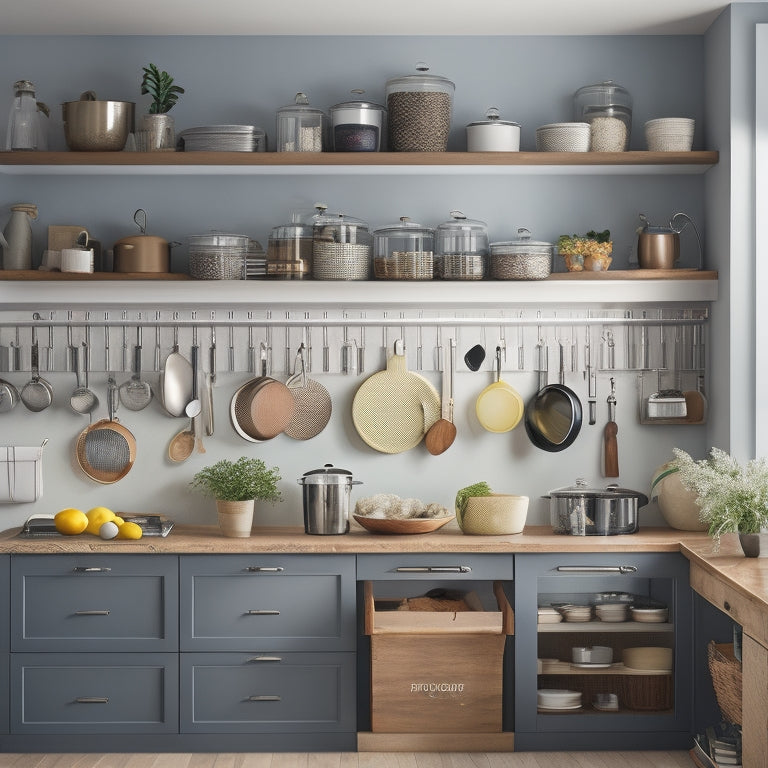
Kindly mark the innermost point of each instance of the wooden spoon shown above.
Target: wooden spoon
(182, 444)
(442, 433)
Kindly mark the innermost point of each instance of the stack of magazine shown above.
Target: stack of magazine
(718, 747)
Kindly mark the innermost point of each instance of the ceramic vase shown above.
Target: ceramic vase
(750, 543)
(159, 133)
(235, 517)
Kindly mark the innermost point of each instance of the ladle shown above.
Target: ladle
(442, 433)
(183, 443)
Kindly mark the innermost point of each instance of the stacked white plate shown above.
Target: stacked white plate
(670, 134)
(553, 698)
(549, 616)
(612, 611)
(563, 137)
(650, 615)
(576, 612)
(255, 261)
(224, 138)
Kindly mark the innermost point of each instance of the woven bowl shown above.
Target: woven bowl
(494, 515)
(563, 137)
(670, 134)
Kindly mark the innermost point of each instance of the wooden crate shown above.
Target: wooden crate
(436, 672)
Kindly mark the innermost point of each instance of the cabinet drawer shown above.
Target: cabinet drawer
(93, 603)
(435, 567)
(244, 603)
(94, 693)
(267, 692)
(5, 608)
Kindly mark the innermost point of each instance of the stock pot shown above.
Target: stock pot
(326, 494)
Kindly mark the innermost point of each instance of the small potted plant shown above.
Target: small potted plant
(590, 252)
(158, 123)
(733, 498)
(235, 485)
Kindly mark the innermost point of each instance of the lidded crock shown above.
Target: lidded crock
(403, 251)
(358, 125)
(289, 250)
(341, 246)
(493, 134)
(300, 127)
(461, 247)
(607, 107)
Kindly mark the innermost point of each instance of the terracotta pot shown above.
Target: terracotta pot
(235, 517)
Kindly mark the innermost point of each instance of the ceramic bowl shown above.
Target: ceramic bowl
(650, 658)
(494, 515)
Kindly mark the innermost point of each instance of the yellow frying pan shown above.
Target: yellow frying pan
(499, 407)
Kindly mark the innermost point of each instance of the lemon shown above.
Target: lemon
(108, 530)
(70, 521)
(97, 517)
(129, 531)
(118, 521)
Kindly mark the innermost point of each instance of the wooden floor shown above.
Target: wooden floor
(355, 760)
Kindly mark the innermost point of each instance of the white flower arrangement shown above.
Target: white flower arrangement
(733, 498)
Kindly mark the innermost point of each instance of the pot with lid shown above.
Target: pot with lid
(326, 494)
(358, 125)
(142, 253)
(493, 134)
(583, 511)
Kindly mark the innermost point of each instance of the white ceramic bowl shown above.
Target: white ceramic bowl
(670, 134)
(650, 615)
(597, 654)
(563, 137)
(558, 699)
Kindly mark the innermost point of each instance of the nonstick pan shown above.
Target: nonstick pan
(553, 415)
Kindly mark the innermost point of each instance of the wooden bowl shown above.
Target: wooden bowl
(411, 525)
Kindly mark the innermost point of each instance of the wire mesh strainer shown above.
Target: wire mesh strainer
(311, 403)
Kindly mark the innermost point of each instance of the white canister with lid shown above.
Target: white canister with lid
(493, 134)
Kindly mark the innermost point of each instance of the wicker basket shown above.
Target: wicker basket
(649, 693)
(725, 670)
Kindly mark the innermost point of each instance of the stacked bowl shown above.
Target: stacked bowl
(563, 137)
(670, 134)
(612, 611)
(551, 698)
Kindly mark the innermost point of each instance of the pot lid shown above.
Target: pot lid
(358, 103)
(459, 222)
(524, 239)
(492, 118)
(581, 489)
(300, 104)
(421, 81)
(326, 475)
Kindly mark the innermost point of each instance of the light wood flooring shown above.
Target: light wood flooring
(355, 760)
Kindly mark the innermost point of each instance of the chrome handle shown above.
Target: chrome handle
(92, 613)
(433, 569)
(256, 612)
(92, 700)
(258, 659)
(264, 569)
(597, 568)
(264, 698)
(90, 569)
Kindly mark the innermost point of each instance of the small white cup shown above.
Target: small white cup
(76, 260)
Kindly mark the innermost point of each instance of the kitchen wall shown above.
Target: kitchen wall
(244, 80)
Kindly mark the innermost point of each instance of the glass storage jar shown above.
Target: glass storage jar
(218, 256)
(341, 247)
(461, 247)
(358, 125)
(419, 112)
(300, 127)
(607, 107)
(289, 251)
(403, 251)
(521, 259)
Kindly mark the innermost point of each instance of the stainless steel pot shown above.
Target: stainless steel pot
(97, 126)
(326, 494)
(582, 511)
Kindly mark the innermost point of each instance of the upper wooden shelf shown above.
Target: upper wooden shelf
(306, 163)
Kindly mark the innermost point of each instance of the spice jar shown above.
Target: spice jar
(521, 259)
(419, 111)
(607, 107)
(357, 126)
(403, 251)
(461, 246)
(289, 251)
(300, 127)
(341, 247)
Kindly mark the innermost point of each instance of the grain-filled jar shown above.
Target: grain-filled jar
(341, 247)
(289, 251)
(461, 247)
(419, 111)
(218, 256)
(607, 107)
(300, 127)
(403, 251)
(521, 259)
(358, 125)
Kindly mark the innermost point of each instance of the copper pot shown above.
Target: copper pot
(142, 253)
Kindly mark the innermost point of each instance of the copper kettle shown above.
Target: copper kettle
(142, 253)
(659, 247)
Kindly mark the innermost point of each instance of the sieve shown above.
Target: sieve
(106, 450)
(136, 394)
(9, 396)
(311, 402)
(82, 400)
(36, 394)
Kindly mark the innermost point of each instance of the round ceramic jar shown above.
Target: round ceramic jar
(357, 126)
(403, 251)
(300, 127)
(493, 134)
(461, 245)
(607, 107)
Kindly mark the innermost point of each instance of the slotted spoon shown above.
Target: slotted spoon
(136, 394)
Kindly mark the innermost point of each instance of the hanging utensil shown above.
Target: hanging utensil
(591, 375)
(499, 407)
(82, 400)
(136, 394)
(211, 381)
(610, 443)
(176, 380)
(312, 402)
(194, 406)
(36, 394)
(9, 396)
(474, 357)
(442, 433)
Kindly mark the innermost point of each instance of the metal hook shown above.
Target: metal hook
(141, 220)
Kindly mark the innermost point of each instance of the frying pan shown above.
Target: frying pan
(261, 409)
(499, 407)
(553, 415)
(393, 409)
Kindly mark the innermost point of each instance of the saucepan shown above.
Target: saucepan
(499, 407)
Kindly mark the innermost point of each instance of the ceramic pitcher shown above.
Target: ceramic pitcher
(17, 237)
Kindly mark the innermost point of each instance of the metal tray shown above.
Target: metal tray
(41, 526)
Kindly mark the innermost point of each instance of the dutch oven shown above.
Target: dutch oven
(143, 252)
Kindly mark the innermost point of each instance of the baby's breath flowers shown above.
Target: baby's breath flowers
(590, 252)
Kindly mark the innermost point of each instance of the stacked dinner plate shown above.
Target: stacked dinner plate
(224, 138)
(650, 615)
(612, 611)
(549, 615)
(576, 612)
(552, 698)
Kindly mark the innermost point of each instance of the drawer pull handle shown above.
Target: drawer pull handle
(264, 698)
(90, 569)
(433, 569)
(264, 569)
(263, 612)
(258, 659)
(597, 568)
(727, 605)
(92, 700)
(92, 613)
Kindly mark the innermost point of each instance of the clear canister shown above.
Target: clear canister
(419, 111)
(341, 247)
(358, 126)
(521, 259)
(461, 247)
(289, 251)
(403, 251)
(607, 107)
(300, 127)
(218, 256)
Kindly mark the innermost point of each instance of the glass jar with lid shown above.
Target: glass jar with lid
(403, 251)
(521, 259)
(341, 246)
(289, 250)
(300, 127)
(419, 111)
(218, 256)
(461, 247)
(357, 125)
(607, 107)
